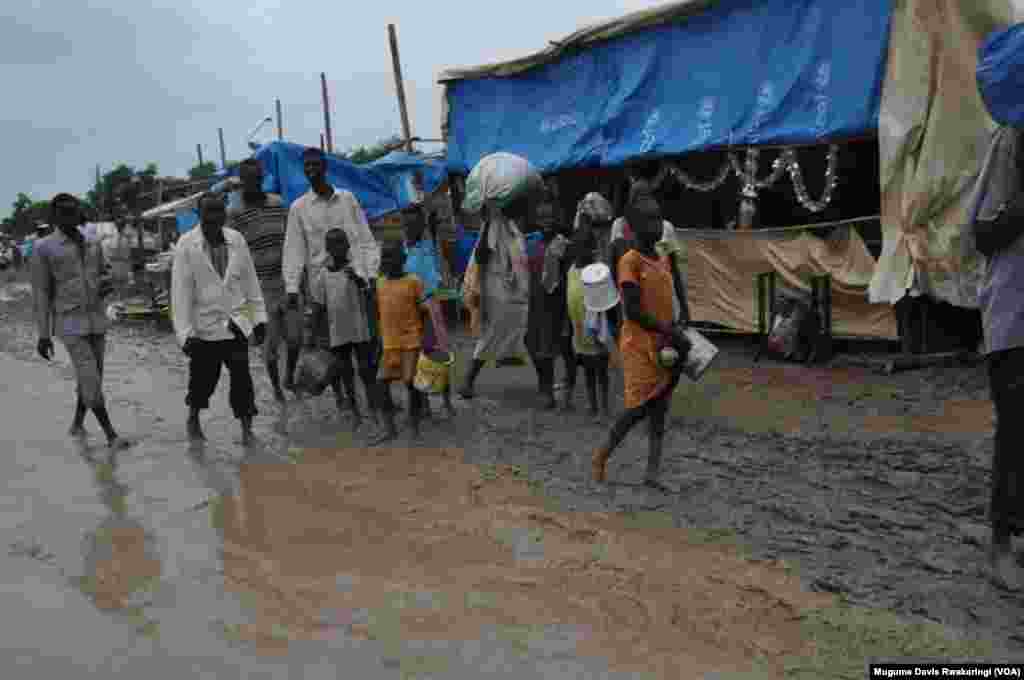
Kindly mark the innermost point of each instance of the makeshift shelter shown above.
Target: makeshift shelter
(695, 78)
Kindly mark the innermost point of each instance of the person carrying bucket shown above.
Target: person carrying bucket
(339, 301)
(655, 316)
(421, 260)
(590, 299)
(402, 312)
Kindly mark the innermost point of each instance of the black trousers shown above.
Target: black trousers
(365, 356)
(1006, 379)
(204, 374)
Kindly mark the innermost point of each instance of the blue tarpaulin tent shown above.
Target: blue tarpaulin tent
(382, 187)
(687, 77)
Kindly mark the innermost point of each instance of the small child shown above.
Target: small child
(421, 260)
(339, 301)
(402, 313)
(592, 352)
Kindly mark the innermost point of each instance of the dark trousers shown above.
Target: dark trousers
(204, 374)
(365, 356)
(1006, 378)
(595, 366)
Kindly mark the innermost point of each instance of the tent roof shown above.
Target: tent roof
(598, 32)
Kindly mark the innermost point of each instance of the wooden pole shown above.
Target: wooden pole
(327, 113)
(399, 87)
(199, 152)
(280, 128)
(223, 155)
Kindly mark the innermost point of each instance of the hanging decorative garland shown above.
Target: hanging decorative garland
(694, 185)
(831, 181)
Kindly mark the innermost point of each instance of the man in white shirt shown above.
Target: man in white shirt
(311, 215)
(217, 305)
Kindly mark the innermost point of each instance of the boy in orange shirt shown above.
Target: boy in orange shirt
(402, 312)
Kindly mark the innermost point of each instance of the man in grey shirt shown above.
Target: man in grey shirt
(70, 280)
(999, 236)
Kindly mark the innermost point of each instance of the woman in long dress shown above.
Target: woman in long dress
(503, 280)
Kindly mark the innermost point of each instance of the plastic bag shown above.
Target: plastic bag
(313, 370)
(499, 179)
(1000, 75)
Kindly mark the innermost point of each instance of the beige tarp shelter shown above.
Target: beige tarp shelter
(933, 132)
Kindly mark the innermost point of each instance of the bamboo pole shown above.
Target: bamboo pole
(199, 152)
(399, 87)
(327, 113)
(321, 141)
(280, 127)
(223, 155)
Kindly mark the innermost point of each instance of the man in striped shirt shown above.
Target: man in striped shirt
(261, 218)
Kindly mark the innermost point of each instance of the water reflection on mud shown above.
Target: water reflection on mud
(121, 561)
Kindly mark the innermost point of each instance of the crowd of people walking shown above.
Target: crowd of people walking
(537, 290)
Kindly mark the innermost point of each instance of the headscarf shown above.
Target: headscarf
(596, 207)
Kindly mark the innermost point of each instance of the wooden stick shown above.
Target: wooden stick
(223, 155)
(327, 113)
(280, 128)
(199, 152)
(399, 87)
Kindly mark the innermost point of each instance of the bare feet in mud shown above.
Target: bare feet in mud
(120, 444)
(195, 432)
(1006, 572)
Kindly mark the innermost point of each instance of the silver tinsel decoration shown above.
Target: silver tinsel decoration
(694, 185)
(831, 181)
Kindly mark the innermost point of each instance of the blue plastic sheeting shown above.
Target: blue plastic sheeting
(399, 167)
(381, 187)
(1001, 75)
(744, 72)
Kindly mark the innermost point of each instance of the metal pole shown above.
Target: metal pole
(199, 152)
(327, 113)
(280, 128)
(223, 155)
(397, 66)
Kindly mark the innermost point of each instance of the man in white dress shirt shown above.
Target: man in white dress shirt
(217, 305)
(310, 216)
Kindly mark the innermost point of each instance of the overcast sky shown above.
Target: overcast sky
(89, 82)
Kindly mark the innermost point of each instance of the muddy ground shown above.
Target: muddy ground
(803, 486)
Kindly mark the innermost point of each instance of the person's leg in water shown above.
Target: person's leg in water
(77, 428)
(242, 393)
(343, 364)
(626, 422)
(590, 375)
(604, 381)
(204, 369)
(415, 410)
(656, 442)
(363, 352)
(1006, 377)
(545, 369)
(572, 365)
(272, 350)
(87, 357)
(467, 391)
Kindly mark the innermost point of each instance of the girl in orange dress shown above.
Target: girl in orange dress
(650, 287)
(402, 313)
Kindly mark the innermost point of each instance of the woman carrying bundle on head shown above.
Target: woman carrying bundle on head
(655, 316)
(497, 283)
